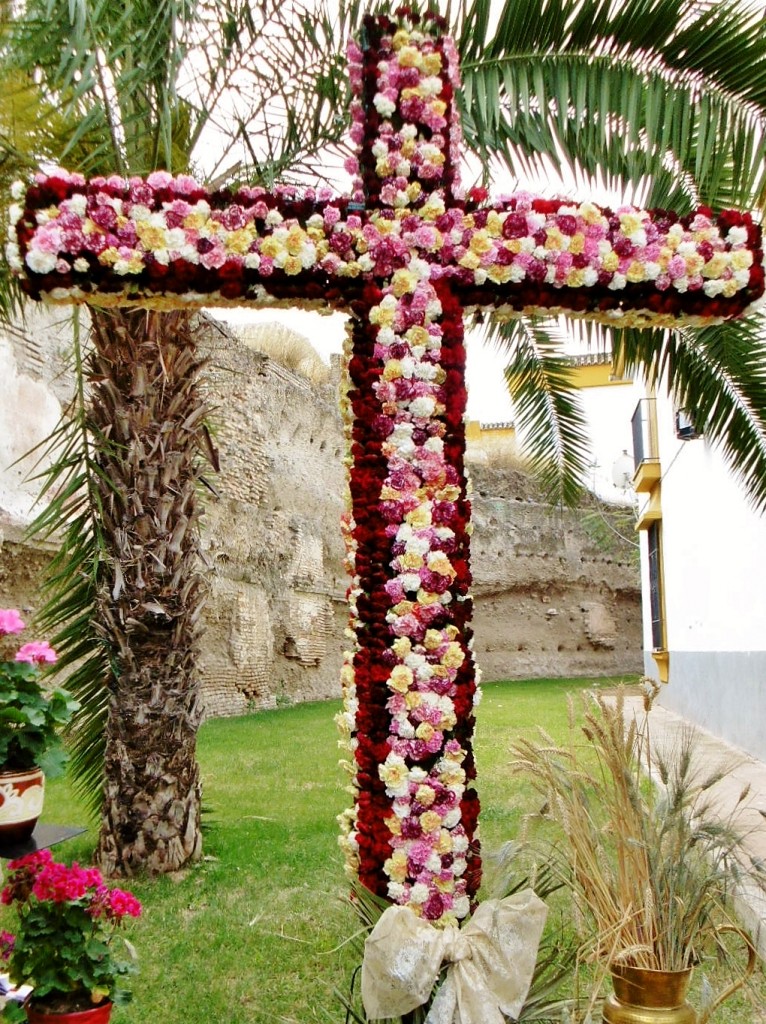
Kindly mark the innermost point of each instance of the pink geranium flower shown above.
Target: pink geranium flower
(37, 653)
(10, 621)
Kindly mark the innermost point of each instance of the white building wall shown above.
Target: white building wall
(714, 558)
(29, 412)
(608, 411)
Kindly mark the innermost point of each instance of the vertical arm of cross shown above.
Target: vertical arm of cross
(410, 680)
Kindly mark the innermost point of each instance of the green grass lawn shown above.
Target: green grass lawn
(256, 933)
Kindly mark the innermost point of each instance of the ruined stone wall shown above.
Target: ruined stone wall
(551, 596)
(556, 591)
(277, 609)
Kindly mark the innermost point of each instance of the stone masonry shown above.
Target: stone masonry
(553, 598)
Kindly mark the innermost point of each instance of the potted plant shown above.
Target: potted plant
(31, 718)
(653, 866)
(67, 945)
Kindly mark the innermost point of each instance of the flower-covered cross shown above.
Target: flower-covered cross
(407, 254)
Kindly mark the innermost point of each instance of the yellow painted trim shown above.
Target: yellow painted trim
(596, 375)
(662, 661)
(647, 476)
(651, 512)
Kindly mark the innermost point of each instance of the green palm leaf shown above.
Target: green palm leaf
(585, 83)
(540, 381)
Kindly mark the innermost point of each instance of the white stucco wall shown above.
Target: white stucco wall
(608, 411)
(714, 556)
(28, 413)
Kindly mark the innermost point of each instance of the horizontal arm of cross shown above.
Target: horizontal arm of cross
(168, 242)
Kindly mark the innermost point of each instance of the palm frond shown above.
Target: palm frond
(588, 83)
(553, 425)
(71, 519)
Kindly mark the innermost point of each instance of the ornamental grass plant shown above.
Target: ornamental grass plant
(650, 858)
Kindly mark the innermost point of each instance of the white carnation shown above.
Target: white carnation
(434, 863)
(461, 907)
(410, 581)
(13, 256)
(736, 236)
(41, 262)
(140, 213)
(423, 406)
(419, 892)
(712, 288)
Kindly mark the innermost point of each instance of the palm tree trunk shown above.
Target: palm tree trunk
(148, 425)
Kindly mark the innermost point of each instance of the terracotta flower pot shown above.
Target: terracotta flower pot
(93, 1015)
(21, 804)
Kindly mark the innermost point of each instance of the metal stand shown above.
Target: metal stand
(42, 837)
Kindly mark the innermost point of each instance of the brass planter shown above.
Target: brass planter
(643, 996)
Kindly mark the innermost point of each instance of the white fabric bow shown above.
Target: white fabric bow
(491, 962)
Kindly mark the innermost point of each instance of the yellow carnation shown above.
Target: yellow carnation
(432, 639)
(392, 370)
(741, 259)
(195, 221)
(296, 238)
(498, 274)
(239, 241)
(471, 261)
(271, 247)
(454, 656)
(394, 825)
(396, 866)
(151, 236)
(425, 795)
(494, 224)
(430, 821)
(410, 57)
(402, 646)
(419, 517)
(481, 242)
(401, 678)
(716, 265)
(403, 282)
(432, 63)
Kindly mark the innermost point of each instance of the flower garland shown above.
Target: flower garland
(408, 254)
(410, 682)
